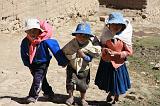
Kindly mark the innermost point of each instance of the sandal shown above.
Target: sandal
(109, 98)
(114, 103)
(84, 103)
(70, 101)
(32, 100)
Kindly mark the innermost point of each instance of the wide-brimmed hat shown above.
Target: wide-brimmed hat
(83, 28)
(115, 18)
(32, 23)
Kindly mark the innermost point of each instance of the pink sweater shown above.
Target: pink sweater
(120, 51)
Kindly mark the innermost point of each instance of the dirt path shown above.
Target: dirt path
(15, 79)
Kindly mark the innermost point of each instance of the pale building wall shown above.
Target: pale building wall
(14, 12)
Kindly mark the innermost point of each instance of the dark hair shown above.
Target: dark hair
(123, 27)
(87, 35)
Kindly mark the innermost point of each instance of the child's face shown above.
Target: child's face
(115, 28)
(81, 38)
(34, 32)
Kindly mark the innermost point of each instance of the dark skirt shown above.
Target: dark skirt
(115, 81)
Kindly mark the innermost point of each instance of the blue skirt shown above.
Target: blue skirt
(115, 81)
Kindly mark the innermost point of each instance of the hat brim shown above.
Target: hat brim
(116, 22)
(26, 29)
(79, 32)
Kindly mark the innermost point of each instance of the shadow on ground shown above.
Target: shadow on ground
(58, 99)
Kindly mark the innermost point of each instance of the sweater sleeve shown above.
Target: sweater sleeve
(92, 50)
(24, 52)
(57, 52)
(127, 51)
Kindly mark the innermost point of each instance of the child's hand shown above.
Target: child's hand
(81, 53)
(88, 58)
(84, 56)
(108, 51)
(63, 66)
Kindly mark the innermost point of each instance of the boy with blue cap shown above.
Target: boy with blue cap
(79, 52)
(112, 75)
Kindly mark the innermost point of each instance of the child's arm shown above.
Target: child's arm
(93, 51)
(84, 56)
(24, 53)
(127, 51)
(57, 52)
(108, 51)
(70, 50)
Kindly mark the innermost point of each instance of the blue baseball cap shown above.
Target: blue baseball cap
(83, 28)
(115, 18)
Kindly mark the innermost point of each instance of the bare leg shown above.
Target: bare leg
(116, 99)
(70, 100)
(109, 97)
(81, 53)
(84, 102)
(83, 96)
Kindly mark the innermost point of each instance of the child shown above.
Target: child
(112, 75)
(79, 52)
(36, 56)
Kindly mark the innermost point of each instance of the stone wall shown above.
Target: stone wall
(14, 12)
(131, 4)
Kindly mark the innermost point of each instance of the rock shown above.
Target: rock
(144, 16)
(156, 86)
(131, 97)
(152, 63)
(102, 18)
(133, 19)
(6, 31)
(157, 82)
(157, 66)
(132, 92)
(142, 53)
(140, 97)
(143, 73)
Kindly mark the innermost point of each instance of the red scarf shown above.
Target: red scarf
(46, 34)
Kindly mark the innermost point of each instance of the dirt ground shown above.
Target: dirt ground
(15, 79)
